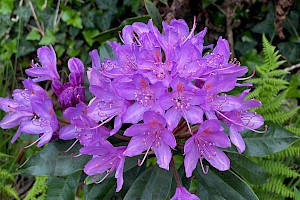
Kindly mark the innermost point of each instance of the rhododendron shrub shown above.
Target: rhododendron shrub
(163, 94)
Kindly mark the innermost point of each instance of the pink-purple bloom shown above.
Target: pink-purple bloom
(106, 159)
(161, 86)
(151, 134)
(32, 110)
(69, 94)
(203, 144)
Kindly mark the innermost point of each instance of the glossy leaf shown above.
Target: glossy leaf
(48, 38)
(154, 183)
(249, 170)
(52, 161)
(218, 185)
(100, 191)
(34, 34)
(153, 12)
(274, 140)
(63, 188)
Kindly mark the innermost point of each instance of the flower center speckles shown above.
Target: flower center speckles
(38, 121)
(25, 94)
(204, 148)
(145, 98)
(181, 103)
(107, 108)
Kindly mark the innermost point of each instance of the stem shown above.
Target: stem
(122, 137)
(175, 172)
(40, 28)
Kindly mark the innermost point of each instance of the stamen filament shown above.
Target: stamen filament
(144, 158)
(71, 146)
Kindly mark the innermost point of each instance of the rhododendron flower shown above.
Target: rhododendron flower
(32, 110)
(48, 70)
(151, 134)
(106, 158)
(203, 144)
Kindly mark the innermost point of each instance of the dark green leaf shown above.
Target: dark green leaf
(297, 193)
(266, 26)
(24, 13)
(154, 14)
(206, 3)
(164, 2)
(34, 34)
(89, 34)
(100, 191)
(248, 169)
(154, 183)
(48, 38)
(272, 141)
(6, 6)
(218, 185)
(106, 35)
(52, 161)
(25, 47)
(63, 188)
(72, 17)
(106, 52)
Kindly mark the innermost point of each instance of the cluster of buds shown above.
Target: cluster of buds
(163, 86)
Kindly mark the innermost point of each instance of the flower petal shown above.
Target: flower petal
(163, 155)
(237, 139)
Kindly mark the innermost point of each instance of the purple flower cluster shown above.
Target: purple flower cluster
(163, 85)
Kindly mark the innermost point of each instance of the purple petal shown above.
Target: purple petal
(95, 59)
(168, 138)
(191, 157)
(97, 166)
(45, 138)
(217, 158)
(134, 113)
(137, 130)
(172, 117)
(222, 48)
(150, 117)
(237, 139)
(119, 174)
(226, 103)
(136, 146)
(77, 71)
(68, 132)
(14, 119)
(252, 120)
(194, 115)
(182, 194)
(48, 71)
(163, 155)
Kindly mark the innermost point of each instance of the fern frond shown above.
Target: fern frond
(275, 81)
(8, 190)
(5, 174)
(278, 72)
(276, 186)
(280, 117)
(293, 129)
(254, 94)
(38, 190)
(271, 105)
(278, 168)
(270, 56)
(287, 153)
